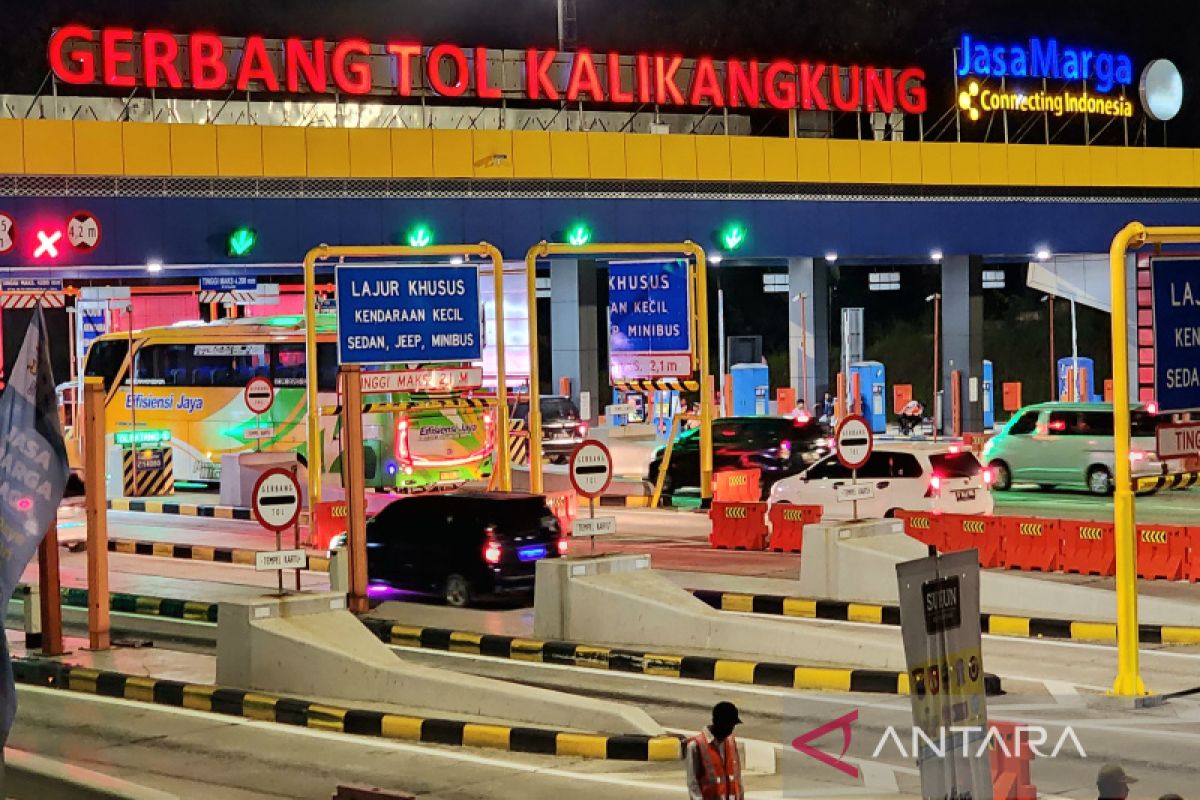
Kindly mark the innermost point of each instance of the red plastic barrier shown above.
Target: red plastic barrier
(565, 507)
(738, 526)
(924, 526)
(330, 520)
(1032, 543)
(1191, 570)
(1088, 548)
(985, 534)
(1162, 551)
(737, 485)
(1010, 757)
(787, 526)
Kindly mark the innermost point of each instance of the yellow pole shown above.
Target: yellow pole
(313, 412)
(666, 461)
(544, 249)
(503, 462)
(323, 252)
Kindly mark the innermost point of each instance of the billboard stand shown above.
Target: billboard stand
(697, 331)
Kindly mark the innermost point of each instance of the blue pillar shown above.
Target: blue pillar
(962, 338)
(808, 330)
(573, 323)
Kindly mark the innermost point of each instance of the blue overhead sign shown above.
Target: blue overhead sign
(408, 314)
(229, 283)
(1176, 289)
(648, 308)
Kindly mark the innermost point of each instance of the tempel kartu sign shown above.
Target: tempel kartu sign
(408, 314)
(205, 62)
(1176, 295)
(649, 317)
(1025, 66)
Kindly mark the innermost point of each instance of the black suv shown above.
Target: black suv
(776, 446)
(562, 430)
(463, 545)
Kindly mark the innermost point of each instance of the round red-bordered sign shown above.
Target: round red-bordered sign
(259, 395)
(276, 499)
(83, 231)
(8, 233)
(591, 468)
(854, 441)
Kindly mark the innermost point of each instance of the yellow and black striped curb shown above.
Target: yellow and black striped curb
(180, 509)
(995, 624)
(362, 722)
(200, 552)
(191, 610)
(1180, 480)
(703, 668)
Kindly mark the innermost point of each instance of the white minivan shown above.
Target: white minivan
(912, 477)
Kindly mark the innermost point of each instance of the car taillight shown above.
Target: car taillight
(491, 549)
(954, 448)
(563, 544)
(935, 486)
(402, 454)
(1137, 455)
(1152, 407)
(989, 476)
(583, 429)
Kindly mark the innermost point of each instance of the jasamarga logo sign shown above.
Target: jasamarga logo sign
(1038, 58)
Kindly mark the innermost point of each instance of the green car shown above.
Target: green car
(1070, 444)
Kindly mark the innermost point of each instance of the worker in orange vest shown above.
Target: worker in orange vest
(713, 769)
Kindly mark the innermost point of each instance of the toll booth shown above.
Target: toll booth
(1086, 380)
(987, 397)
(751, 386)
(141, 464)
(663, 410)
(872, 386)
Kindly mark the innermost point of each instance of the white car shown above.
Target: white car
(913, 477)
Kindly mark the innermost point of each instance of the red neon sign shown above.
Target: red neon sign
(123, 58)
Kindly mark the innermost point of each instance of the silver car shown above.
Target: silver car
(1070, 444)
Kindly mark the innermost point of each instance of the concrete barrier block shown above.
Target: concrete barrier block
(309, 645)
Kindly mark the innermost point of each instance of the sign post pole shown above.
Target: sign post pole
(352, 472)
(49, 587)
(96, 512)
(1128, 682)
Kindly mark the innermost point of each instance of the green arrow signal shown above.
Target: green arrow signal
(579, 235)
(733, 236)
(242, 241)
(420, 236)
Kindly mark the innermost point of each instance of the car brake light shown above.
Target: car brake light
(583, 429)
(1152, 407)
(935, 486)
(562, 547)
(491, 550)
(804, 418)
(1137, 455)
(989, 476)
(954, 448)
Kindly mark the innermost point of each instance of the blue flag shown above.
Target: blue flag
(33, 474)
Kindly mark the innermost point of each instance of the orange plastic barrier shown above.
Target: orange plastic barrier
(1088, 547)
(1011, 396)
(1011, 777)
(924, 526)
(787, 526)
(330, 520)
(985, 534)
(1191, 570)
(736, 485)
(1031, 543)
(738, 526)
(565, 506)
(785, 400)
(901, 394)
(1162, 551)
